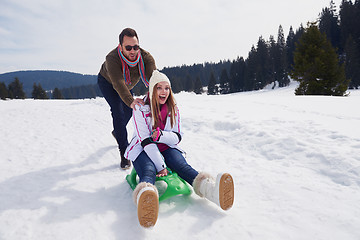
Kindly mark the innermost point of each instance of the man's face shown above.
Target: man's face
(126, 44)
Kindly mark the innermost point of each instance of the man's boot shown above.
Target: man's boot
(125, 163)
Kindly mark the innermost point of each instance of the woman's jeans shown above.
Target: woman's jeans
(120, 112)
(174, 160)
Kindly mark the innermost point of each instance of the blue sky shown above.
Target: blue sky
(76, 35)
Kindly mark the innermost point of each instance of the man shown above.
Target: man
(123, 68)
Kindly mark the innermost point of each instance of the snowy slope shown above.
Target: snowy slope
(295, 161)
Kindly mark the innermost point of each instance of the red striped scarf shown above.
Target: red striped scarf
(126, 63)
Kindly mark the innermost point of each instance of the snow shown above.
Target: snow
(295, 161)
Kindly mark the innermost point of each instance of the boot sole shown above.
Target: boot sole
(226, 191)
(148, 208)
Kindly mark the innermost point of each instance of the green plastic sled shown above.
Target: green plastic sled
(175, 184)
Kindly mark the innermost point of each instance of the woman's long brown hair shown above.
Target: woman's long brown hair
(155, 108)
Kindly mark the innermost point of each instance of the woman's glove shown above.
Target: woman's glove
(156, 134)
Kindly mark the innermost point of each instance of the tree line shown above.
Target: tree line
(15, 91)
(272, 61)
(342, 29)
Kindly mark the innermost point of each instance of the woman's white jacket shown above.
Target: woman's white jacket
(171, 136)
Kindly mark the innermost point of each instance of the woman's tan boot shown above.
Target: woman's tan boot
(220, 190)
(146, 198)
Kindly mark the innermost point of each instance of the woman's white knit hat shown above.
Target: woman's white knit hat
(157, 77)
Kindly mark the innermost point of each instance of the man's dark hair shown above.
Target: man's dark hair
(127, 32)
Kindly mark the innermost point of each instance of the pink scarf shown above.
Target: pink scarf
(163, 116)
(126, 63)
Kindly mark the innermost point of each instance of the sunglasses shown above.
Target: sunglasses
(135, 47)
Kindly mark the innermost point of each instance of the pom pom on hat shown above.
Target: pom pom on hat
(157, 77)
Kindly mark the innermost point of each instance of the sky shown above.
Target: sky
(76, 36)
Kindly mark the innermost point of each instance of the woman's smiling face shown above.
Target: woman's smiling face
(162, 91)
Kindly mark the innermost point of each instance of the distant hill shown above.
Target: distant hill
(48, 79)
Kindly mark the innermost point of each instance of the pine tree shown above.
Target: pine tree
(349, 21)
(57, 94)
(291, 41)
(250, 75)
(237, 75)
(3, 91)
(38, 92)
(352, 61)
(317, 66)
(189, 85)
(198, 86)
(350, 40)
(212, 88)
(224, 82)
(290, 48)
(282, 70)
(273, 60)
(16, 90)
(329, 25)
(262, 64)
(176, 84)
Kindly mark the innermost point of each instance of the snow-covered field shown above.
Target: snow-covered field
(295, 161)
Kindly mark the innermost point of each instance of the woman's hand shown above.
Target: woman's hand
(156, 133)
(162, 173)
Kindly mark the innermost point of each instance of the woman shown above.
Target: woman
(154, 147)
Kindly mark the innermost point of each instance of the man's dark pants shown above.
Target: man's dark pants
(120, 112)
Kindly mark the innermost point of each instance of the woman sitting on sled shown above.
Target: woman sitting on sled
(154, 148)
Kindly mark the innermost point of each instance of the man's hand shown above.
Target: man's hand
(137, 101)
